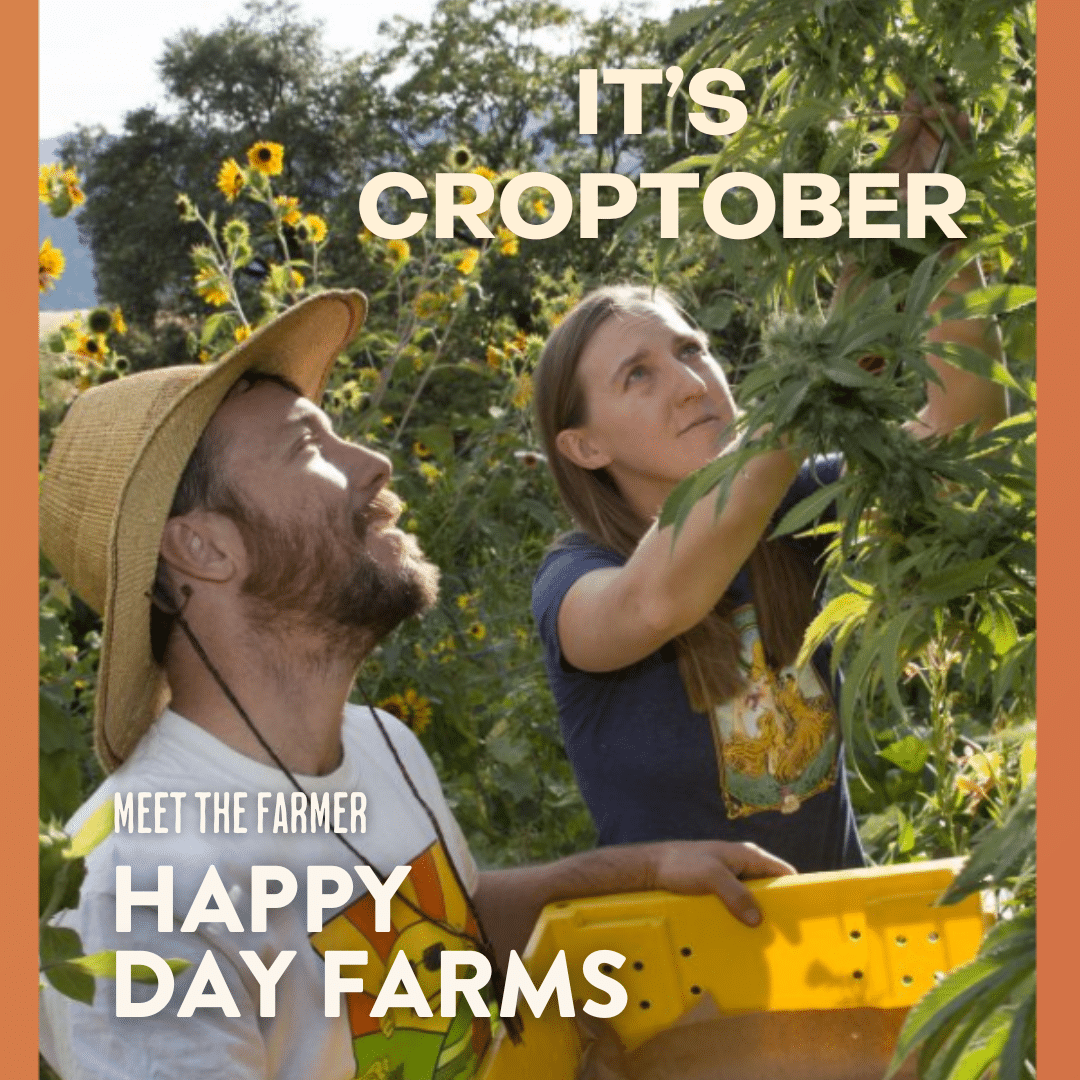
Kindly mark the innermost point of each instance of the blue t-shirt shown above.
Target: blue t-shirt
(767, 767)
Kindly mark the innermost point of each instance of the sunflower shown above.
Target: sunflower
(523, 391)
(92, 346)
(211, 286)
(398, 251)
(428, 304)
(508, 241)
(289, 208)
(118, 324)
(241, 333)
(431, 473)
(421, 450)
(46, 177)
(410, 708)
(316, 228)
(230, 179)
(350, 395)
(477, 631)
(70, 179)
(493, 357)
(50, 265)
(467, 260)
(267, 157)
(484, 171)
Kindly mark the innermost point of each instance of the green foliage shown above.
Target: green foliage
(60, 873)
(984, 1012)
(932, 559)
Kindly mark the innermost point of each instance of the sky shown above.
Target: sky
(124, 39)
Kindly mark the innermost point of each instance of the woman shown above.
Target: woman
(673, 659)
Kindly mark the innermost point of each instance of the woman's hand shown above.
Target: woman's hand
(924, 129)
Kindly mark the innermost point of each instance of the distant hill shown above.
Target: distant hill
(76, 289)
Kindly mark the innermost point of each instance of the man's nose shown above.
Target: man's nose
(368, 467)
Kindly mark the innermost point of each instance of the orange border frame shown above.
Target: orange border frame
(18, 542)
(1059, 736)
(1059, 595)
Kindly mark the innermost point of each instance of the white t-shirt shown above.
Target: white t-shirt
(300, 1042)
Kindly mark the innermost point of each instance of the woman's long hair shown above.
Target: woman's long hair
(708, 653)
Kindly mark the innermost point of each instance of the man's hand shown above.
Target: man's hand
(716, 866)
(922, 131)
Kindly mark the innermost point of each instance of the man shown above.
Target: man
(245, 560)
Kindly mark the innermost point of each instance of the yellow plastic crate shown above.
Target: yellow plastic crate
(835, 940)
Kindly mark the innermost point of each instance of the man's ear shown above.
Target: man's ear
(203, 545)
(577, 447)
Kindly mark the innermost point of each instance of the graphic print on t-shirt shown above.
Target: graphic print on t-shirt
(779, 738)
(402, 1045)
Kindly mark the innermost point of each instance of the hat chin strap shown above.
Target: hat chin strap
(161, 600)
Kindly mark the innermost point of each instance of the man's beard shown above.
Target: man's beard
(319, 576)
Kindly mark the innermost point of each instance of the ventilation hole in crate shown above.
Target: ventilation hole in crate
(607, 969)
(855, 935)
(686, 950)
(695, 989)
(907, 980)
(644, 1004)
(638, 965)
(856, 974)
(933, 936)
(900, 939)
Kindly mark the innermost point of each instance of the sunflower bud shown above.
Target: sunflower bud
(60, 203)
(99, 321)
(461, 157)
(186, 207)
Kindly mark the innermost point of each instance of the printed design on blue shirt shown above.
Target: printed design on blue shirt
(778, 741)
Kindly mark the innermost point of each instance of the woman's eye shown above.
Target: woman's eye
(692, 349)
(636, 373)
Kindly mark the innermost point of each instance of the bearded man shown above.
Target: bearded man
(245, 560)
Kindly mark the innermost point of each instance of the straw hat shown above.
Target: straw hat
(110, 481)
